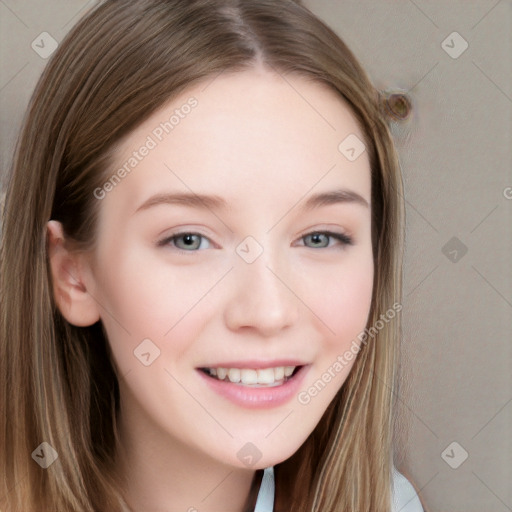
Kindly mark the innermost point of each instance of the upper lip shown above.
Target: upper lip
(256, 364)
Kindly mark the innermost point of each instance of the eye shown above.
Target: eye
(322, 239)
(186, 241)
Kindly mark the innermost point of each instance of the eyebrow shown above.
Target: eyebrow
(334, 197)
(214, 202)
(207, 202)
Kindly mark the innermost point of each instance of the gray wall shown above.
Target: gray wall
(456, 155)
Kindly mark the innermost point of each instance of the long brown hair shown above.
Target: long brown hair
(118, 65)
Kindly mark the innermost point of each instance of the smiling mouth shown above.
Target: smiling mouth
(264, 377)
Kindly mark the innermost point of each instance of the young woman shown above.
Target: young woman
(201, 270)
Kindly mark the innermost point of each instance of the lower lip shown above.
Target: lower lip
(257, 398)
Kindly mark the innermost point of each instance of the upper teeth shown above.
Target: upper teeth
(249, 376)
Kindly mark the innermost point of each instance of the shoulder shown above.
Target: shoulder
(405, 498)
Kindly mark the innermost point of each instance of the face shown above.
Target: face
(236, 245)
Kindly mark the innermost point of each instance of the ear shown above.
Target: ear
(76, 305)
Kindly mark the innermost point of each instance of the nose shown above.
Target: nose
(263, 299)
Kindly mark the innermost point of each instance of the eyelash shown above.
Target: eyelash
(340, 237)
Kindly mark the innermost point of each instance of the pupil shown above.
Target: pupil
(316, 238)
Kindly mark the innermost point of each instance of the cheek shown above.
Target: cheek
(343, 300)
(342, 307)
(142, 298)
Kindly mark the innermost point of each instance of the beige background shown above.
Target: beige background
(456, 155)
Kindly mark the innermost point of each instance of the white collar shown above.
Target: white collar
(405, 498)
(265, 501)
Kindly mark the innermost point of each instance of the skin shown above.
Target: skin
(265, 149)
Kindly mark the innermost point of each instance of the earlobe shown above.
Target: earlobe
(74, 301)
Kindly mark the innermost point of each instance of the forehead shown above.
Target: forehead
(241, 134)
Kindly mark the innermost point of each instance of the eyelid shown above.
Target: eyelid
(342, 237)
(170, 237)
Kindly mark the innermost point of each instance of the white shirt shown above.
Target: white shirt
(405, 498)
